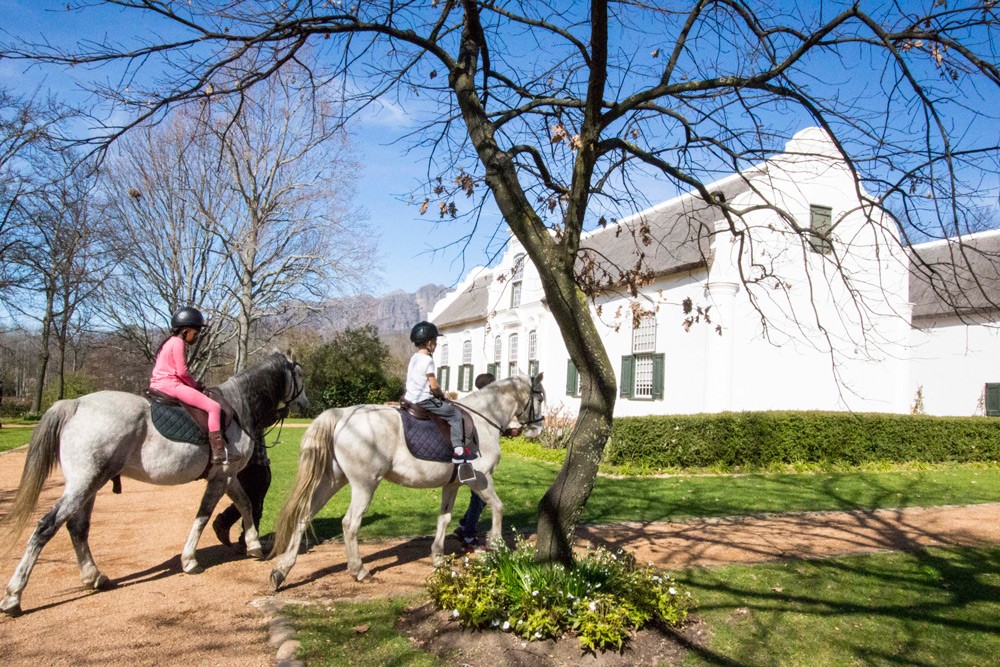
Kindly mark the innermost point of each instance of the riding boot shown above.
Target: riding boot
(218, 443)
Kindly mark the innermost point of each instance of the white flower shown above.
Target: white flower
(592, 605)
(534, 594)
(597, 586)
(454, 574)
(672, 590)
(506, 626)
(656, 579)
(454, 613)
(495, 623)
(538, 635)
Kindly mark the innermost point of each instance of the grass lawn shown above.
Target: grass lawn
(932, 607)
(396, 511)
(11, 438)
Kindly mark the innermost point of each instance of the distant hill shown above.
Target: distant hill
(395, 311)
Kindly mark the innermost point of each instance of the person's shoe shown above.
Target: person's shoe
(218, 444)
(470, 544)
(221, 531)
(460, 533)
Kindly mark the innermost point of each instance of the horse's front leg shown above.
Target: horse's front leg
(217, 482)
(488, 493)
(448, 494)
(240, 498)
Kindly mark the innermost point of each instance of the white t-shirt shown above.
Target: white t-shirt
(418, 387)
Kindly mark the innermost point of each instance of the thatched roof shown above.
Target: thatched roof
(956, 277)
(469, 306)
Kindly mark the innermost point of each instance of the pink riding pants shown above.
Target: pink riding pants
(192, 396)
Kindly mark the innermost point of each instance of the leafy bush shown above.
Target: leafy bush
(559, 423)
(760, 440)
(602, 600)
(352, 368)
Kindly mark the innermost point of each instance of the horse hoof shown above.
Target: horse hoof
(277, 578)
(12, 610)
(101, 583)
(257, 553)
(194, 569)
(362, 574)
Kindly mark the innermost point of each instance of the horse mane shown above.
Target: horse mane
(255, 393)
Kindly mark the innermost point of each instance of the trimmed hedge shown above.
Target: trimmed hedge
(766, 439)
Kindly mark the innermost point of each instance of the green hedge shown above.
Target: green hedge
(768, 439)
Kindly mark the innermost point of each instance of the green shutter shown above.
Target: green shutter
(628, 376)
(572, 379)
(993, 399)
(658, 375)
(491, 369)
(821, 221)
(471, 376)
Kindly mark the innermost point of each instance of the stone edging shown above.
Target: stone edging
(280, 632)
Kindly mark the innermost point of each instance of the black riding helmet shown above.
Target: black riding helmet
(423, 332)
(187, 317)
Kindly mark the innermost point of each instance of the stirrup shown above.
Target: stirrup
(466, 473)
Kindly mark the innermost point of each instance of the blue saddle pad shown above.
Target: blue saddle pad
(175, 423)
(429, 441)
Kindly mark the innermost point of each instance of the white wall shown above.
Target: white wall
(952, 362)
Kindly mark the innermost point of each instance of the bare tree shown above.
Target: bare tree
(564, 110)
(241, 207)
(290, 235)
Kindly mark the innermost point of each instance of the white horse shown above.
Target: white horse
(364, 444)
(99, 436)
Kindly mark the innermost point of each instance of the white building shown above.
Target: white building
(785, 329)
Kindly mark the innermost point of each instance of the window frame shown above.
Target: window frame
(821, 222)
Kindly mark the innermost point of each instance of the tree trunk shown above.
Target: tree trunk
(43, 354)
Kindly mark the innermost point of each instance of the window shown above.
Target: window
(512, 355)
(496, 358)
(443, 372)
(642, 371)
(444, 377)
(465, 370)
(821, 223)
(515, 282)
(993, 399)
(532, 353)
(572, 379)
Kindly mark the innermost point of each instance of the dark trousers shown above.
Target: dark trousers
(470, 522)
(255, 480)
(450, 414)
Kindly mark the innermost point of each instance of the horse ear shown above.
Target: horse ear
(290, 355)
(538, 378)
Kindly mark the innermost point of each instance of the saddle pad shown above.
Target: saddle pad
(429, 442)
(174, 423)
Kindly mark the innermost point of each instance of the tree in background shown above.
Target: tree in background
(352, 368)
(240, 207)
(565, 110)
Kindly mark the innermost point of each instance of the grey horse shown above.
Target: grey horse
(99, 436)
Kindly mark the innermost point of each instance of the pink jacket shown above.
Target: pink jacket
(170, 368)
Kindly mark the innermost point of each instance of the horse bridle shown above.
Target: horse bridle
(529, 406)
(296, 389)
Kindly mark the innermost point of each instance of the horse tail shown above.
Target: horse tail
(315, 461)
(43, 454)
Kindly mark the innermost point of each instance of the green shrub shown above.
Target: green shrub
(602, 600)
(761, 440)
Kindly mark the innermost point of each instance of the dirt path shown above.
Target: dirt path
(157, 614)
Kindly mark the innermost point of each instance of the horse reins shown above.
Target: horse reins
(283, 410)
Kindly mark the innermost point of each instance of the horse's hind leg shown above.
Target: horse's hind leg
(78, 526)
(361, 497)
(65, 507)
(321, 496)
(448, 494)
(213, 492)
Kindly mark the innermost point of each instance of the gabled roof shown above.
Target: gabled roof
(469, 306)
(955, 277)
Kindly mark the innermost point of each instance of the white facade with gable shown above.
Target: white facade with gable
(785, 330)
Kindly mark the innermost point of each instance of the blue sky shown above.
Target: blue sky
(412, 247)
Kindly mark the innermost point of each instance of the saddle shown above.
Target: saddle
(428, 437)
(181, 422)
